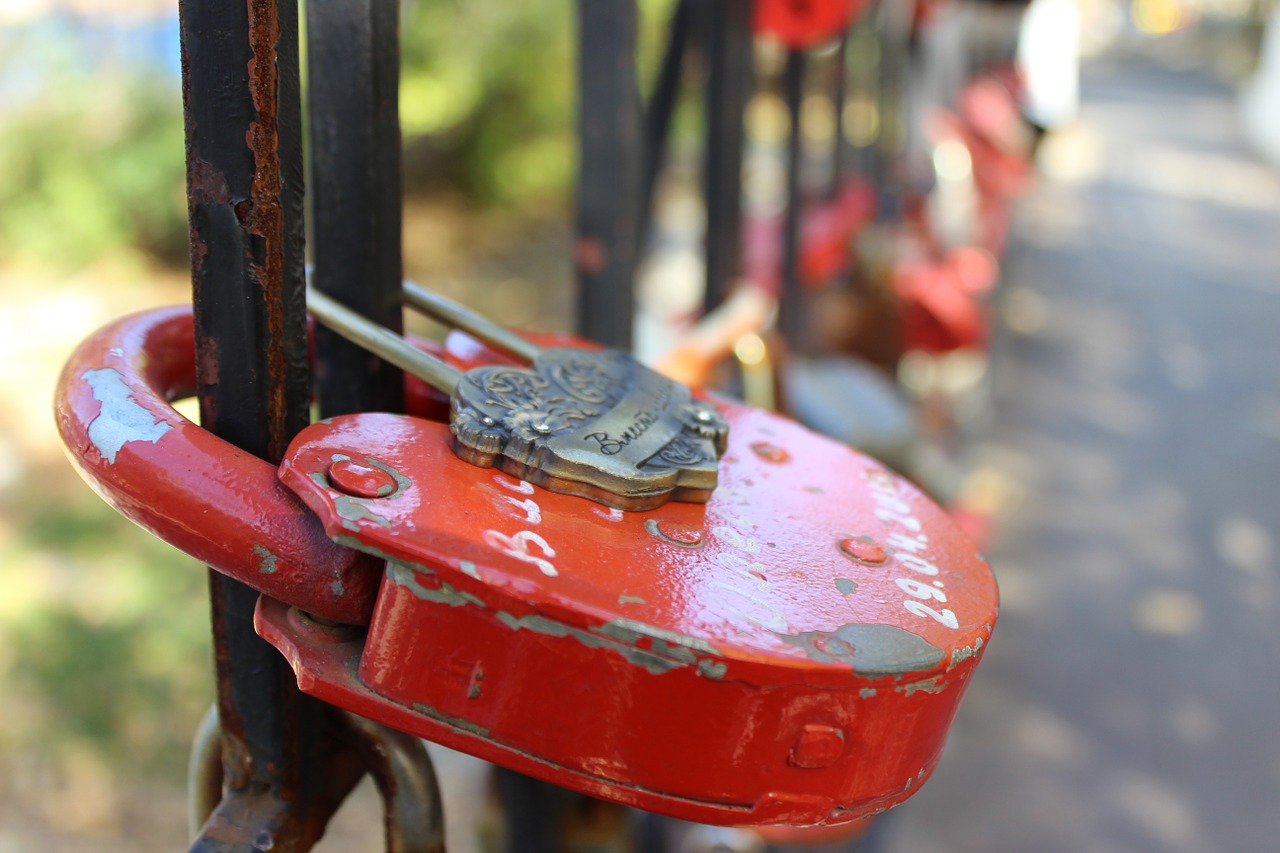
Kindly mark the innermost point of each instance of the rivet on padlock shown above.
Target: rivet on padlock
(593, 423)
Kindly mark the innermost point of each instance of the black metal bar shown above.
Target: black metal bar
(608, 195)
(245, 196)
(660, 108)
(863, 59)
(896, 36)
(244, 175)
(839, 95)
(791, 305)
(530, 811)
(728, 41)
(353, 63)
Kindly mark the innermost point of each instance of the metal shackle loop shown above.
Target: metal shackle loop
(225, 507)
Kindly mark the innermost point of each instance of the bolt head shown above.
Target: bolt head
(361, 480)
(817, 746)
(770, 452)
(864, 549)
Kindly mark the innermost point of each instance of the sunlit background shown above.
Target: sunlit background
(104, 667)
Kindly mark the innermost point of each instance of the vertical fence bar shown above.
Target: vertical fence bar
(245, 195)
(839, 97)
(897, 130)
(608, 195)
(610, 187)
(792, 307)
(728, 54)
(659, 111)
(353, 65)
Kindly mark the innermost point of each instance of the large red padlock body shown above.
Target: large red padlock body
(792, 651)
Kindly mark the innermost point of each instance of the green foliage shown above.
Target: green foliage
(92, 163)
(494, 83)
(92, 167)
(108, 635)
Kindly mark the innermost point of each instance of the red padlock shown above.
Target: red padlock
(828, 229)
(792, 651)
(802, 24)
(944, 304)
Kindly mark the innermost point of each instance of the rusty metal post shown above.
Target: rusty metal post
(609, 170)
(245, 195)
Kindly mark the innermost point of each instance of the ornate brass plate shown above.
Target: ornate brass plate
(593, 423)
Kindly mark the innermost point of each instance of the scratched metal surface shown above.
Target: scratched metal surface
(1129, 700)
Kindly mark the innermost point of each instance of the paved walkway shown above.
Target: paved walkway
(1129, 701)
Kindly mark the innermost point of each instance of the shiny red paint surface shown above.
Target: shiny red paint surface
(944, 300)
(805, 23)
(727, 662)
(754, 660)
(828, 228)
(197, 492)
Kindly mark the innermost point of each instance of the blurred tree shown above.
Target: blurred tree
(486, 97)
(96, 169)
(91, 154)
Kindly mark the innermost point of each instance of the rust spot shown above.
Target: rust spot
(206, 182)
(590, 255)
(262, 215)
(244, 212)
(210, 182)
(208, 370)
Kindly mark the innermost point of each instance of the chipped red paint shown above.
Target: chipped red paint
(195, 491)
(724, 663)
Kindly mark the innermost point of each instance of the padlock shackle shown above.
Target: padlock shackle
(381, 341)
(399, 351)
(204, 496)
(456, 316)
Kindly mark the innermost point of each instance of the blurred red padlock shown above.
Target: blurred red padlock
(803, 24)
